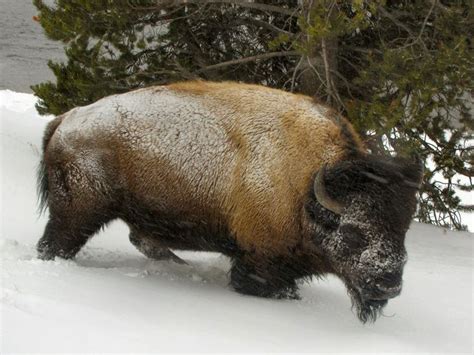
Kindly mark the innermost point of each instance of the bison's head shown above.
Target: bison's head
(371, 202)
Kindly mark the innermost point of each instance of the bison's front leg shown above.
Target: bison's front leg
(152, 248)
(253, 275)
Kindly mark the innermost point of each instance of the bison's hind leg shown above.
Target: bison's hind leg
(64, 236)
(254, 276)
(151, 248)
(79, 202)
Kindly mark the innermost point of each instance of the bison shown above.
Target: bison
(278, 182)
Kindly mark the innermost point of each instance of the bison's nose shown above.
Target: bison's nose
(388, 286)
(384, 292)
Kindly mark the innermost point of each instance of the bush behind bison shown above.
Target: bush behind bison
(279, 183)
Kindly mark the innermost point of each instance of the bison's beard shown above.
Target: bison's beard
(367, 310)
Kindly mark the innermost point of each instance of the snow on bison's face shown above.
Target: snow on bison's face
(374, 200)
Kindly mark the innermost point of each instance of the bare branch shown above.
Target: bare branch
(162, 4)
(266, 25)
(248, 59)
(467, 208)
(393, 19)
(439, 5)
(295, 71)
(346, 82)
(315, 71)
(426, 20)
(326, 69)
(364, 50)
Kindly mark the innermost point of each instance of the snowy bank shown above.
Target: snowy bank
(112, 299)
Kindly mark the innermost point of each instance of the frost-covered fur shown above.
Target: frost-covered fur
(366, 243)
(216, 166)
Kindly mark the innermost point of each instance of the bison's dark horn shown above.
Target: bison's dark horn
(417, 166)
(322, 195)
(375, 177)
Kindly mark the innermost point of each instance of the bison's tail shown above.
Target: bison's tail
(42, 178)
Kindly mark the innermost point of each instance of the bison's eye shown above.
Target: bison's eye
(353, 236)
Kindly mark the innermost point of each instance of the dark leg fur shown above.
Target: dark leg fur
(264, 279)
(64, 236)
(79, 205)
(151, 247)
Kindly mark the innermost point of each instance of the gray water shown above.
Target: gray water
(24, 48)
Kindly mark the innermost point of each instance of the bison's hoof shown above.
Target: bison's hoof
(284, 294)
(290, 293)
(45, 252)
(267, 291)
(49, 251)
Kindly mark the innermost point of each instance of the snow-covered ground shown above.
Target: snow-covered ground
(112, 299)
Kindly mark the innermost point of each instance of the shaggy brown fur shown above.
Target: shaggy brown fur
(267, 220)
(273, 143)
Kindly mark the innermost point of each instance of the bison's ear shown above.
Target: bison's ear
(412, 170)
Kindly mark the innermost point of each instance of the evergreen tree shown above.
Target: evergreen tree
(401, 71)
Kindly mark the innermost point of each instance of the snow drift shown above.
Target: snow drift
(112, 299)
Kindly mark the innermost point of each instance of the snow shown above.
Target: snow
(112, 299)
